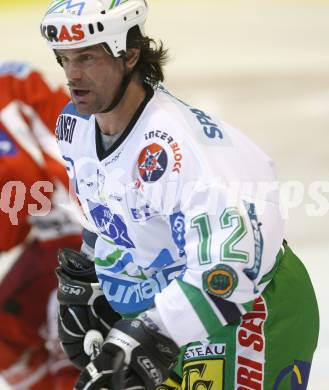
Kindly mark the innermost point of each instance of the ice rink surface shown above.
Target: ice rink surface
(262, 66)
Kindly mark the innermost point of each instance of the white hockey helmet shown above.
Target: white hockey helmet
(75, 24)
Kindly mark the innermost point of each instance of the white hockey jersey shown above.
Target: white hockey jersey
(186, 209)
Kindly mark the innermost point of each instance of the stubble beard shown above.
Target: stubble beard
(94, 107)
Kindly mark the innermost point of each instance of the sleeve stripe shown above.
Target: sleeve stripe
(178, 315)
(204, 303)
(210, 317)
(204, 314)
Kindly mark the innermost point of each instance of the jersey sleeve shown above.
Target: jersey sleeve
(228, 254)
(27, 85)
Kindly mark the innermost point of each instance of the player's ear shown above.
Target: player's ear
(132, 56)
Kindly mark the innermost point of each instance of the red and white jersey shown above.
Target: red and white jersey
(31, 168)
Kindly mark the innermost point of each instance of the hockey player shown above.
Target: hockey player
(190, 245)
(33, 227)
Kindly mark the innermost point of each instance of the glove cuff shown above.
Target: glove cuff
(75, 292)
(77, 266)
(149, 354)
(145, 336)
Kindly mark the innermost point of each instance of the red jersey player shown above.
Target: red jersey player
(34, 226)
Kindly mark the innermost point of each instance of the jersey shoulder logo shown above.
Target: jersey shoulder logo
(65, 128)
(66, 123)
(152, 162)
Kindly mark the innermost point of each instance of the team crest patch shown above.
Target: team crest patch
(220, 280)
(152, 162)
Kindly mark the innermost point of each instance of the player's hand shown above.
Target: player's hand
(108, 371)
(85, 317)
(133, 357)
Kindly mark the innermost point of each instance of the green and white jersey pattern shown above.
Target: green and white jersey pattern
(186, 209)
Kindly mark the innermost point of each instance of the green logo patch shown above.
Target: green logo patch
(220, 280)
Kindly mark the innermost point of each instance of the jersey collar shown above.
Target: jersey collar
(101, 153)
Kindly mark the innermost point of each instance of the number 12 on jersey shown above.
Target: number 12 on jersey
(228, 252)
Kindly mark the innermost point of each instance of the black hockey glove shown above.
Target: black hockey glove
(133, 357)
(85, 317)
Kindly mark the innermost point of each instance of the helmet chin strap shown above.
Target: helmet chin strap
(123, 86)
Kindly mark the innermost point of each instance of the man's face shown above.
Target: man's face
(93, 77)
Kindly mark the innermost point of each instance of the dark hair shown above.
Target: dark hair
(152, 57)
